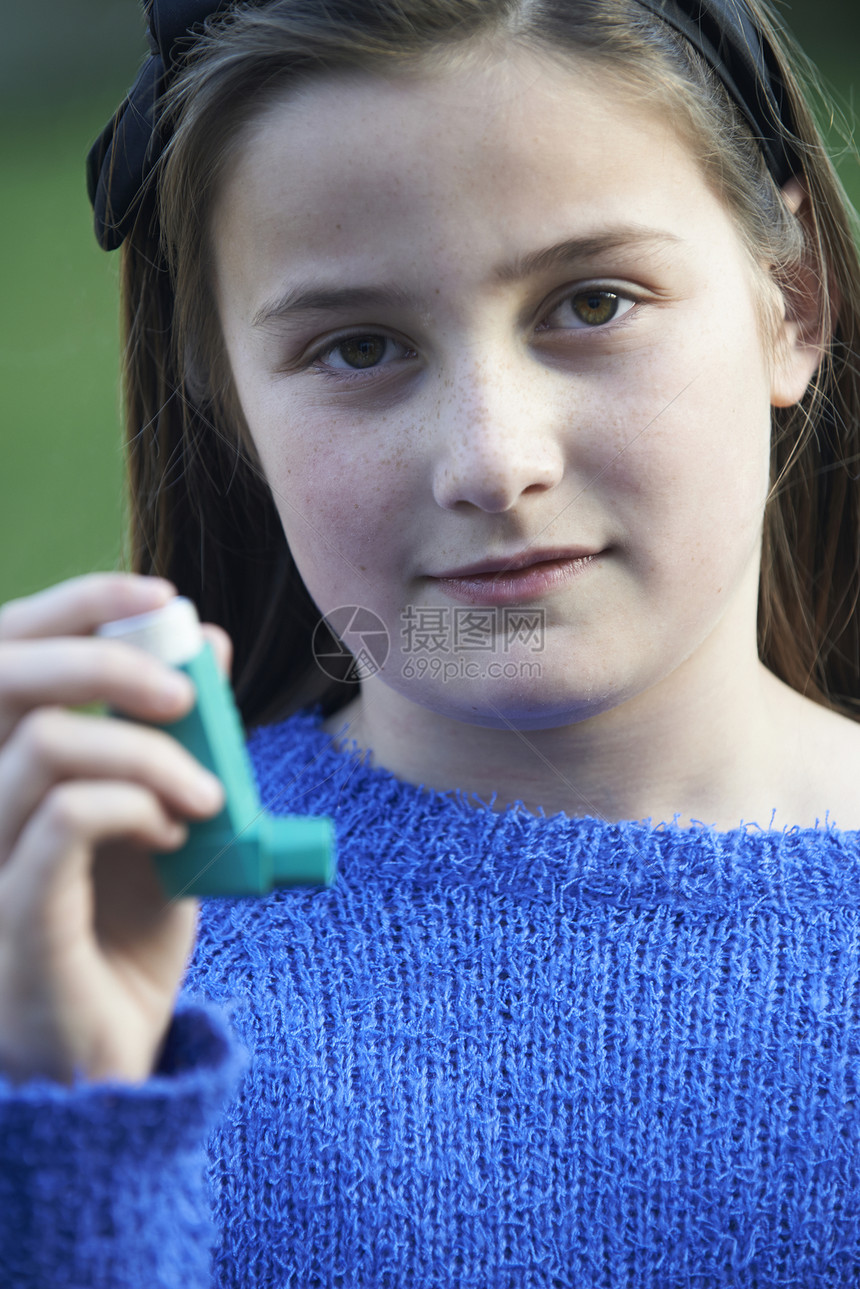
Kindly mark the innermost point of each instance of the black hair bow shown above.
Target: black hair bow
(129, 146)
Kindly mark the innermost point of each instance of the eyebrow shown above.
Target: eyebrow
(319, 299)
(585, 248)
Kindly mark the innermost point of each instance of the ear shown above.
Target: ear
(801, 341)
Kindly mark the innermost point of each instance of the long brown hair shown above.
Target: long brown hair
(199, 508)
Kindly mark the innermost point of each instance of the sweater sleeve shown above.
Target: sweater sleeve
(103, 1185)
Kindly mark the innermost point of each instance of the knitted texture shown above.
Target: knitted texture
(502, 1051)
(103, 1186)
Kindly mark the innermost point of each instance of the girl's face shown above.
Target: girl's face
(493, 312)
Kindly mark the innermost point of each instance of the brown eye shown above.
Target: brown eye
(595, 307)
(362, 351)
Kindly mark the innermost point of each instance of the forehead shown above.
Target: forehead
(474, 158)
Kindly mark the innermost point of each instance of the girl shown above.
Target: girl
(520, 335)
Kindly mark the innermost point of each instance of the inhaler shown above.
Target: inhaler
(243, 850)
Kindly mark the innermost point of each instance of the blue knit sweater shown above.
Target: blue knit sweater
(502, 1051)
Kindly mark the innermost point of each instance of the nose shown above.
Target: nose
(499, 439)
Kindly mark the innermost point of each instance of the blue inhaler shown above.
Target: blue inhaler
(243, 850)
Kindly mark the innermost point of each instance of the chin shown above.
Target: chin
(500, 704)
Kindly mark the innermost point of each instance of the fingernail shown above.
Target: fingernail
(175, 833)
(207, 791)
(161, 586)
(174, 687)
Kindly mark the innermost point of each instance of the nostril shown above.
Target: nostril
(495, 484)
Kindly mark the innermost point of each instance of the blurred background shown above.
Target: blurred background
(64, 66)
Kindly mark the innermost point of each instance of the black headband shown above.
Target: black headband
(725, 35)
(128, 148)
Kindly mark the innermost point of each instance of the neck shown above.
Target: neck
(714, 742)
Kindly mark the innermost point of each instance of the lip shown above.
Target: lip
(513, 563)
(499, 584)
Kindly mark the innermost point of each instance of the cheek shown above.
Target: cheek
(342, 502)
(689, 473)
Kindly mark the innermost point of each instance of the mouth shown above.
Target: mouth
(529, 576)
(513, 563)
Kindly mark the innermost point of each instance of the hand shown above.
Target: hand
(91, 954)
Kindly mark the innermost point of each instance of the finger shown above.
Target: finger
(78, 670)
(222, 646)
(80, 604)
(52, 746)
(46, 883)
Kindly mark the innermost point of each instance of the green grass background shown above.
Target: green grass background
(60, 478)
(61, 511)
